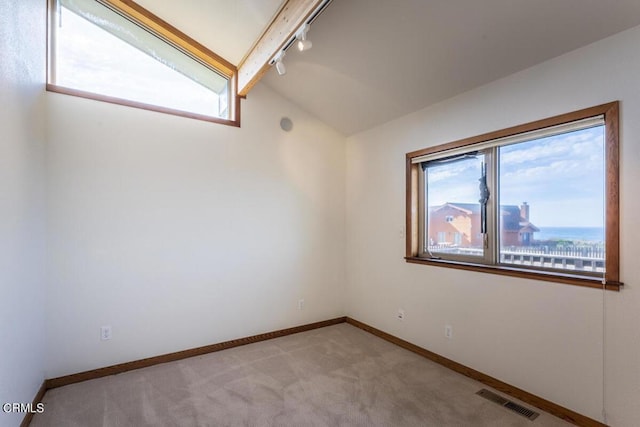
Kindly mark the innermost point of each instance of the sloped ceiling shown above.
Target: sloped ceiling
(227, 27)
(376, 60)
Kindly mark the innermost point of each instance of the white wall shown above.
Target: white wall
(542, 337)
(180, 233)
(21, 203)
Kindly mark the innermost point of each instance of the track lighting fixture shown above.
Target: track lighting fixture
(300, 38)
(303, 44)
(282, 70)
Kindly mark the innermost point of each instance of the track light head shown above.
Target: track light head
(303, 44)
(277, 61)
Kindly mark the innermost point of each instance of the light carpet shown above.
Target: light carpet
(333, 376)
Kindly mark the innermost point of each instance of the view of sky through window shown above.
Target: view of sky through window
(91, 59)
(530, 200)
(455, 181)
(560, 177)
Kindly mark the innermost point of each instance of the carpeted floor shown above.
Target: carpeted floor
(334, 376)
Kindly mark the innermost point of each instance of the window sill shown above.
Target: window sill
(134, 104)
(569, 279)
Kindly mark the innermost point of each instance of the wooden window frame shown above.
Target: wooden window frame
(171, 35)
(611, 280)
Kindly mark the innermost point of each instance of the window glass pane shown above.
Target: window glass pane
(101, 52)
(454, 213)
(552, 202)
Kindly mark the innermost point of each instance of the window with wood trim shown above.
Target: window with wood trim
(539, 200)
(116, 51)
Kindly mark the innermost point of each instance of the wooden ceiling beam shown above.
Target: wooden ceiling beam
(256, 63)
(162, 28)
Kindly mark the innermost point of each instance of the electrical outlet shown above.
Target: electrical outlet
(400, 314)
(448, 331)
(300, 304)
(105, 333)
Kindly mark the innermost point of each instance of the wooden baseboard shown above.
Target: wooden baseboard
(170, 357)
(37, 399)
(543, 404)
(547, 406)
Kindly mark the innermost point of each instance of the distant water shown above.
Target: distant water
(584, 234)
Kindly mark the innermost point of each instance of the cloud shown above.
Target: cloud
(462, 170)
(559, 176)
(552, 174)
(454, 182)
(575, 159)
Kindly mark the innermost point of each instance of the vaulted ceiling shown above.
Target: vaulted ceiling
(376, 60)
(227, 27)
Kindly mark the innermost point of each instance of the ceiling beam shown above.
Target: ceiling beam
(256, 63)
(162, 28)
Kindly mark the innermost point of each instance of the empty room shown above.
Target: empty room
(319, 212)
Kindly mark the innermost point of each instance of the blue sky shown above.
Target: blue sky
(91, 59)
(561, 177)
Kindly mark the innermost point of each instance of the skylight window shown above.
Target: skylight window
(99, 51)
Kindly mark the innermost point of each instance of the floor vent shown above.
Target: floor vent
(513, 406)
